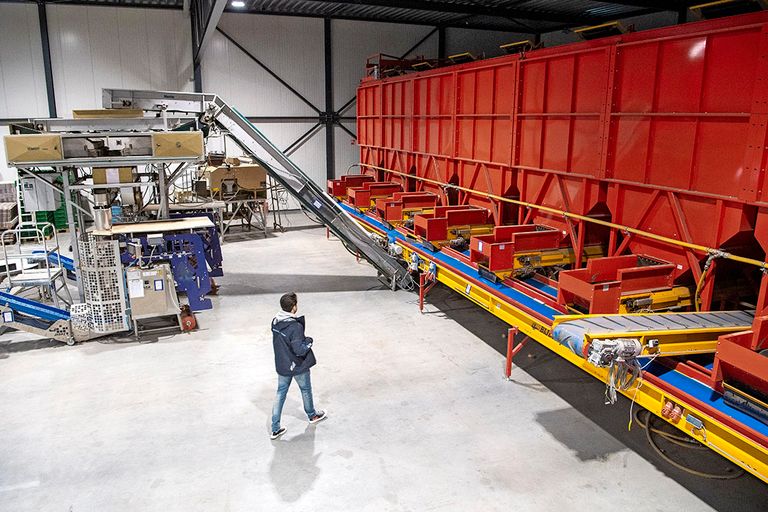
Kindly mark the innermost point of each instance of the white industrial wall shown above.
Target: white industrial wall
(91, 48)
(97, 47)
(22, 77)
(293, 49)
(352, 43)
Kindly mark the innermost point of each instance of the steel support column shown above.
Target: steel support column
(43, 19)
(68, 204)
(441, 52)
(196, 62)
(330, 149)
(198, 77)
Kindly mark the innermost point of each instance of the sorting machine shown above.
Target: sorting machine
(608, 200)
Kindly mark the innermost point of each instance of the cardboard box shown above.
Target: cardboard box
(9, 213)
(104, 175)
(178, 144)
(41, 147)
(108, 113)
(249, 177)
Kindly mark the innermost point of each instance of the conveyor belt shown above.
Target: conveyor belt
(620, 324)
(675, 333)
(705, 395)
(33, 308)
(54, 258)
(213, 110)
(542, 287)
(518, 297)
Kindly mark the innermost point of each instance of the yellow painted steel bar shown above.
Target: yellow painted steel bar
(719, 437)
(568, 215)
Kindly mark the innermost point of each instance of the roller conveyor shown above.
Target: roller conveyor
(662, 334)
(33, 308)
(35, 317)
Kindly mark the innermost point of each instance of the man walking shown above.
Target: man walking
(293, 359)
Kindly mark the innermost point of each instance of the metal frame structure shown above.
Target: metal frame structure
(69, 189)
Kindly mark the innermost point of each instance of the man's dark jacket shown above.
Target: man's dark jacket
(293, 350)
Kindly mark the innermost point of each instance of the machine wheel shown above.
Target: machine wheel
(188, 320)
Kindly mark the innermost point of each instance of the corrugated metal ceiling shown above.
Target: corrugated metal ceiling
(508, 15)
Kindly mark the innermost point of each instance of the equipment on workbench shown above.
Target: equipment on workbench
(100, 151)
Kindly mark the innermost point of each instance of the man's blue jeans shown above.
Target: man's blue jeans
(283, 383)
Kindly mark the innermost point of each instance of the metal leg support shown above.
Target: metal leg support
(512, 350)
(426, 282)
(72, 232)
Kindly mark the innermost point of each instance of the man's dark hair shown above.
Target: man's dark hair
(287, 301)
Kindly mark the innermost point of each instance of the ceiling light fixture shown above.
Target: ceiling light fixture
(238, 3)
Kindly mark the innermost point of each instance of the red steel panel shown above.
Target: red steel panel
(677, 115)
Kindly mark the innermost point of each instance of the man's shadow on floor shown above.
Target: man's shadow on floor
(293, 469)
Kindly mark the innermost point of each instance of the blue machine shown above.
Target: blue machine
(194, 257)
(184, 251)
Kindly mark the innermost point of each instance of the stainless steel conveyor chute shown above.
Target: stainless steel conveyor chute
(212, 110)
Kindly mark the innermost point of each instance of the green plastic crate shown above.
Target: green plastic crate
(45, 216)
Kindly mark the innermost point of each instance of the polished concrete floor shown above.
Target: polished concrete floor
(419, 415)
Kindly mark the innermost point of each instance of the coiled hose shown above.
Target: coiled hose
(684, 441)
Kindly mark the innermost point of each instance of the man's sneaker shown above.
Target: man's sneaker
(277, 434)
(318, 417)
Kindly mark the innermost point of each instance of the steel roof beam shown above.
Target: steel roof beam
(458, 23)
(206, 15)
(657, 5)
(95, 3)
(443, 6)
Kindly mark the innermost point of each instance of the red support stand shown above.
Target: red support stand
(327, 234)
(512, 350)
(426, 282)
